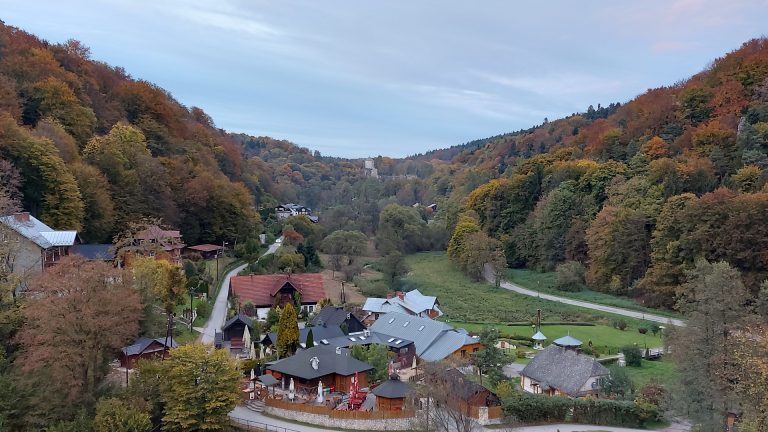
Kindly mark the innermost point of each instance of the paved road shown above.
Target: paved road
(219, 312)
(276, 424)
(610, 309)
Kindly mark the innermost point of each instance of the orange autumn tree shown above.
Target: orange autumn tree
(77, 315)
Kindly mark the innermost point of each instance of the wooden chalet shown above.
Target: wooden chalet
(391, 394)
(207, 251)
(267, 291)
(335, 367)
(145, 348)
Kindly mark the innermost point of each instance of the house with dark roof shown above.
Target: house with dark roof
(335, 367)
(410, 303)
(332, 315)
(267, 291)
(434, 340)
(403, 350)
(391, 394)
(207, 251)
(36, 245)
(94, 252)
(284, 211)
(232, 331)
(145, 348)
(561, 370)
(319, 334)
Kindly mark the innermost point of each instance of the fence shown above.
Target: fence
(251, 425)
(348, 415)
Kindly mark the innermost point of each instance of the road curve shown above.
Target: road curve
(603, 308)
(219, 312)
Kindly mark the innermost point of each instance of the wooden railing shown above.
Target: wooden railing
(326, 411)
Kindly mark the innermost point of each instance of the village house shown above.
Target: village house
(284, 211)
(434, 340)
(333, 315)
(267, 291)
(232, 333)
(403, 351)
(145, 349)
(154, 242)
(561, 370)
(35, 245)
(206, 251)
(320, 335)
(410, 303)
(335, 367)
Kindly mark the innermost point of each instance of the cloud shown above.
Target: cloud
(669, 46)
(555, 85)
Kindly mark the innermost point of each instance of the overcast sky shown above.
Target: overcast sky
(358, 78)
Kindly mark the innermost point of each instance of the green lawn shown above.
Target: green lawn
(464, 300)
(545, 283)
(661, 371)
(600, 335)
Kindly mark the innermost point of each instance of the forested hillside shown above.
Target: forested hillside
(636, 192)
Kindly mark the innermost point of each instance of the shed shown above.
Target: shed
(391, 394)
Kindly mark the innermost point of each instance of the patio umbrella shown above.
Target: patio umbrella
(291, 390)
(414, 362)
(252, 353)
(320, 398)
(253, 375)
(252, 383)
(262, 351)
(246, 338)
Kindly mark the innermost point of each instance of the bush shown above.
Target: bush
(642, 330)
(655, 329)
(204, 309)
(504, 389)
(570, 276)
(536, 409)
(621, 325)
(520, 354)
(632, 355)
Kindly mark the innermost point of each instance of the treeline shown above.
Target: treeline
(638, 195)
(96, 148)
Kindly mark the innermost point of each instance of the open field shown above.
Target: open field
(545, 283)
(467, 301)
(600, 335)
(661, 371)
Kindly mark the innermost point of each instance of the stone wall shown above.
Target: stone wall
(324, 420)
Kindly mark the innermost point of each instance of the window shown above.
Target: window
(405, 324)
(324, 341)
(390, 340)
(398, 342)
(403, 350)
(421, 328)
(391, 320)
(352, 339)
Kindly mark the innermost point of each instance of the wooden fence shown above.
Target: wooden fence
(332, 413)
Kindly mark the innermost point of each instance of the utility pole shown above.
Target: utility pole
(168, 331)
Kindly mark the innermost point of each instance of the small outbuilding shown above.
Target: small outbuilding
(145, 348)
(391, 394)
(233, 331)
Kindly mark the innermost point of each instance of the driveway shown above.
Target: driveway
(219, 312)
(603, 308)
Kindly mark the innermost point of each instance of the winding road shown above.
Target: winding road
(603, 308)
(219, 312)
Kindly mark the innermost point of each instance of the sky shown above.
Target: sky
(364, 78)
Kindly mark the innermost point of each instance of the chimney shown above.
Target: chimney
(21, 217)
(366, 332)
(338, 350)
(401, 295)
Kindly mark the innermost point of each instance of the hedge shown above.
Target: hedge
(529, 408)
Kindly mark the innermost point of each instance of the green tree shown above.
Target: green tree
(617, 383)
(569, 276)
(375, 355)
(310, 340)
(393, 267)
(489, 358)
(481, 250)
(714, 303)
(400, 229)
(201, 387)
(632, 355)
(114, 415)
(287, 331)
(99, 220)
(456, 246)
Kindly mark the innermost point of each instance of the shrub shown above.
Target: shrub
(570, 276)
(655, 329)
(520, 354)
(642, 330)
(632, 355)
(621, 325)
(504, 389)
(204, 309)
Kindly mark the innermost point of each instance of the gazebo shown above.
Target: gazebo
(391, 394)
(538, 340)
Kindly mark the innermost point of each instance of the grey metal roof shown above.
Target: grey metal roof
(143, 342)
(392, 389)
(60, 238)
(319, 333)
(434, 340)
(568, 341)
(539, 336)
(413, 302)
(30, 229)
(328, 362)
(332, 315)
(563, 369)
(268, 380)
(382, 305)
(360, 338)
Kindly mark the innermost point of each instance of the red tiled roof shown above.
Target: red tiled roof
(261, 289)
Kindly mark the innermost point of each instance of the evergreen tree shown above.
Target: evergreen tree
(287, 331)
